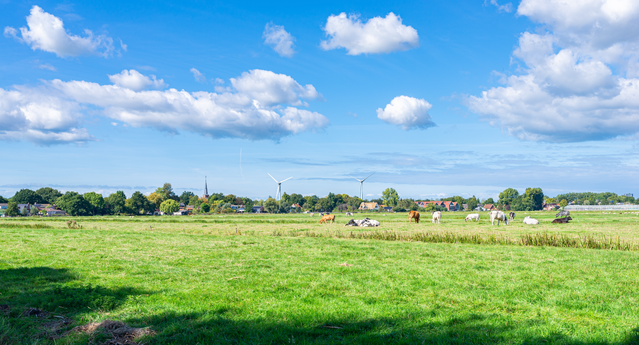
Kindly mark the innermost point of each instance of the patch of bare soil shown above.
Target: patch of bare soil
(56, 325)
(121, 333)
(35, 312)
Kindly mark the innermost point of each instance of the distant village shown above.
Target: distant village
(49, 202)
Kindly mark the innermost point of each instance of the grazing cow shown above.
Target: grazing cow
(328, 218)
(437, 217)
(471, 217)
(349, 213)
(498, 216)
(563, 214)
(511, 216)
(312, 214)
(366, 222)
(530, 221)
(562, 220)
(413, 215)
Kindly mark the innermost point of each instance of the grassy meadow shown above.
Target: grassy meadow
(285, 279)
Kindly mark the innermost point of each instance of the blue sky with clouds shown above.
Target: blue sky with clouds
(437, 98)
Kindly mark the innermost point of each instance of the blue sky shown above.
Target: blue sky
(437, 98)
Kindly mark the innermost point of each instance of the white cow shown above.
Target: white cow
(530, 221)
(498, 216)
(472, 216)
(437, 216)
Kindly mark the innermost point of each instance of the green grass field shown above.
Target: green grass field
(284, 279)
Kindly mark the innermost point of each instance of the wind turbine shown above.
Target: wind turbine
(278, 195)
(361, 186)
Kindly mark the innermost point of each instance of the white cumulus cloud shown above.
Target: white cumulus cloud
(281, 41)
(377, 35)
(407, 112)
(46, 32)
(508, 7)
(579, 79)
(270, 88)
(53, 112)
(136, 81)
(28, 114)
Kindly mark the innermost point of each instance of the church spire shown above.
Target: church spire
(206, 190)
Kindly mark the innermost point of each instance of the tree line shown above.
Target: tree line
(164, 199)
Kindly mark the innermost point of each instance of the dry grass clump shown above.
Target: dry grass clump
(535, 240)
(121, 333)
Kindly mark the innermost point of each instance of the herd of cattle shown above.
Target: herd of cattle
(495, 216)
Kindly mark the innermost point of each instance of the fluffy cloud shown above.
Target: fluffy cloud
(579, 79)
(407, 112)
(279, 39)
(28, 114)
(377, 35)
(270, 88)
(46, 32)
(52, 113)
(136, 81)
(199, 77)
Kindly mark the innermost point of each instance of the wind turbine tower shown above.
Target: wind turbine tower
(278, 195)
(361, 186)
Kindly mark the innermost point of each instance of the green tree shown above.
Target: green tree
(48, 194)
(324, 204)
(248, 205)
(390, 197)
(3, 200)
(536, 196)
(205, 207)
(354, 202)
(507, 196)
(166, 191)
(156, 199)
(489, 201)
(74, 204)
(472, 203)
(24, 212)
(116, 202)
(12, 209)
(27, 196)
(195, 201)
(271, 205)
(169, 206)
(563, 203)
(185, 197)
(139, 204)
(96, 201)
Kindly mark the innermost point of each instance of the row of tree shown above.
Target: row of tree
(165, 200)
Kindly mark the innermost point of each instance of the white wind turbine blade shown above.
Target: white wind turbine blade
(273, 178)
(368, 177)
(286, 179)
(358, 179)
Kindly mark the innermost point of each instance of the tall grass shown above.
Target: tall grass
(534, 240)
(24, 226)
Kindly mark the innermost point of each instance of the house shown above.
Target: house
(258, 209)
(181, 213)
(387, 208)
(465, 207)
(369, 206)
(451, 205)
(3, 208)
(550, 207)
(489, 207)
(54, 212)
(426, 203)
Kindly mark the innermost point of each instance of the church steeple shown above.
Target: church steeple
(206, 190)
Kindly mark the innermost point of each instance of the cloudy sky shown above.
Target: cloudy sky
(437, 98)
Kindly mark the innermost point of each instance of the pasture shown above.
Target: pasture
(286, 279)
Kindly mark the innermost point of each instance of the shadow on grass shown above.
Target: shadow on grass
(217, 328)
(31, 298)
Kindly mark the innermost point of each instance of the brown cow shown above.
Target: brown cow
(562, 220)
(413, 215)
(328, 218)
